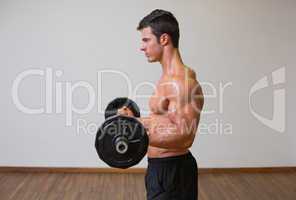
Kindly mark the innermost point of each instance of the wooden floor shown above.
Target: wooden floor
(239, 186)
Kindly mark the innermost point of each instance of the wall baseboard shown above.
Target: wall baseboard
(7, 169)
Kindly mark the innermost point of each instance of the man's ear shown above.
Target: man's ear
(164, 39)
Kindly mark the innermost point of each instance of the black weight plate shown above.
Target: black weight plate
(119, 102)
(128, 127)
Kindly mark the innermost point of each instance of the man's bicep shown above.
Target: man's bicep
(185, 118)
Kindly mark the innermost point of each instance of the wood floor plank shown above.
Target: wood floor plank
(224, 186)
(10, 183)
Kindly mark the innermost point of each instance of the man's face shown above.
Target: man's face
(150, 46)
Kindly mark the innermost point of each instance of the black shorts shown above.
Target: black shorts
(172, 178)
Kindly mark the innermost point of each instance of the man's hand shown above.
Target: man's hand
(128, 112)
(125, 111)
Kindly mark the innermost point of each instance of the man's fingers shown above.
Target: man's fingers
(125, 111)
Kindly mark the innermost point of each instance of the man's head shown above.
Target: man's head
(158, 30)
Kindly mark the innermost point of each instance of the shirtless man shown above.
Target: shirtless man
(175, 112)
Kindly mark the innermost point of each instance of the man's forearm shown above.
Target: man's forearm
(163, 133)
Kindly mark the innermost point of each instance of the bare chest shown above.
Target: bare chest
(159, 102)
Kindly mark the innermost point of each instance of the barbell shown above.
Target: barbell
(121, 141)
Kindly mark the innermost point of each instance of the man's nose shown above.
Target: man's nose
(142, 48)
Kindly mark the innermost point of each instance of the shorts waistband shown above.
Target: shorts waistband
(171, 158)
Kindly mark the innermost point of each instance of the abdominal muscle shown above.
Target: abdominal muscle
(155, 152)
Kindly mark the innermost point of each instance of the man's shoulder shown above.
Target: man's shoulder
(187, 74)
(184, 81)
(181, 86)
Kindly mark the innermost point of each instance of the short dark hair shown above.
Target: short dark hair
(162, 21)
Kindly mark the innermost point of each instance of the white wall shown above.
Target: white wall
(231, 44)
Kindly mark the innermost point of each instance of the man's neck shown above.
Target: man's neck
(171, 61)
